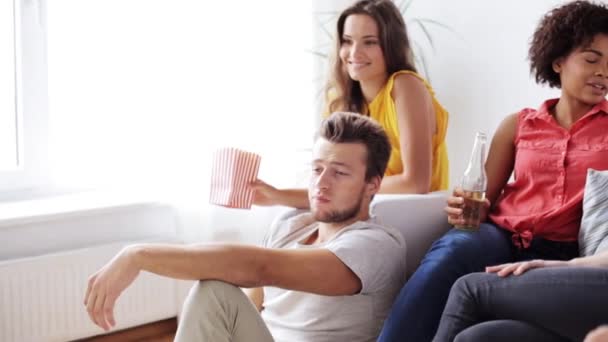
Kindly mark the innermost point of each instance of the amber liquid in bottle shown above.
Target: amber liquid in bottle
(474, 183)
(472, 209)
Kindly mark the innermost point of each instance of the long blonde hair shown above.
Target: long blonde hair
(341, 92)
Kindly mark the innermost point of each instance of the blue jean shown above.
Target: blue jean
(417, 310)
(542, 305)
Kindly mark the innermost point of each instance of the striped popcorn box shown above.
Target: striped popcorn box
(232, 170)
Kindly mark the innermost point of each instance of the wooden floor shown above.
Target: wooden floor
(161, 331)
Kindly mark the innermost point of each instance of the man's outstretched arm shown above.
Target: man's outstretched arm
(310, 270)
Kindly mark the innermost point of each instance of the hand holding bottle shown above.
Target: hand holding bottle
(473, 187)
(455, 208)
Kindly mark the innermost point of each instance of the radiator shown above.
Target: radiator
(42, 297)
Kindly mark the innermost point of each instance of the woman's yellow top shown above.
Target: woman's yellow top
(382, 109)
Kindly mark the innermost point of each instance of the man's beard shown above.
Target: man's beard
(338, 216)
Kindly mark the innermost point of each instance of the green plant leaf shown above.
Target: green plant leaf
(426, 32)
(404, 5)
(420, 57)
(322, 25)
(317, 53)
(442, 25)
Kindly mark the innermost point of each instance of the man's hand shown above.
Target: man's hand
(517, 268)
(106, 285)
(264, 194)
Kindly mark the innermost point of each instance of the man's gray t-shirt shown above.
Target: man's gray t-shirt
(376, 254)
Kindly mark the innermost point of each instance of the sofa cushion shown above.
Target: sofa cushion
(593, 234)
(420, 219)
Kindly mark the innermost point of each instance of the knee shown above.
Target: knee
(473, 334)
(469, 249)
(453, 247)
(204, 289)
(465, 336)
(467, 283)
(213, 285)
(464, 292)
(462, 285)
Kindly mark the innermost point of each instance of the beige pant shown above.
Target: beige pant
(219, 312)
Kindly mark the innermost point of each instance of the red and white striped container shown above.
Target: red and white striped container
(232, 170)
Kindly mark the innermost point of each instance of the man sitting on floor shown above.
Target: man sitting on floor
(328, 275)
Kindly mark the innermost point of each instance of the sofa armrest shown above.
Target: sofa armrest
(420, 219)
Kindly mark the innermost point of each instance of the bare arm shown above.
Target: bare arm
(597, 260)
(265, 195)
(499, 167)
(295, 198)
(250, 266)
(256, 295)
(516, 268)
(501, 157)
(309, 270)
(417, 124)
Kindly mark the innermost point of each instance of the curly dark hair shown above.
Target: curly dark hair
(561, 31)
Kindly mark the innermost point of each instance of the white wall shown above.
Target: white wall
(479, 71)
(484, 75)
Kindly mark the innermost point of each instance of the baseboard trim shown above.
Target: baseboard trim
(145, 332)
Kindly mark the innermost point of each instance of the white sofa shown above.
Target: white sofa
(420, 218)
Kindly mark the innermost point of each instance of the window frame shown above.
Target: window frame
(10, 160)
(31, 100)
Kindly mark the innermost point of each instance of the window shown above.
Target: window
(118, 92)
(142, 91)
(25, 98)
(8, 110)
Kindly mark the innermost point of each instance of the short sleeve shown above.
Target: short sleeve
(375, 255)
(284, 225)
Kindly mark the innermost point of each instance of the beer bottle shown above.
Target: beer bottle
(474, 183)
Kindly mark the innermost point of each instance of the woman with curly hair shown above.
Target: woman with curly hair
(537, 216)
